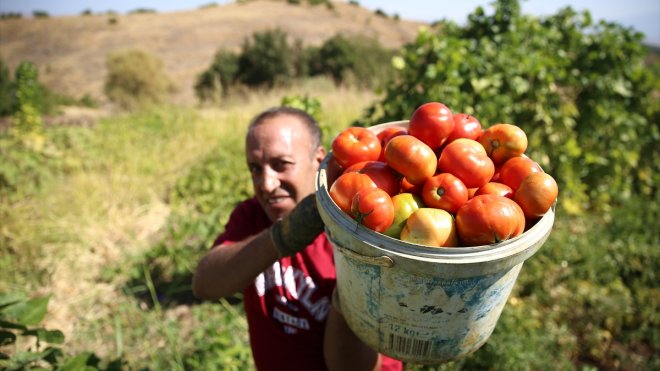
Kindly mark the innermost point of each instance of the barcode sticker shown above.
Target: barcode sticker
(410, 346)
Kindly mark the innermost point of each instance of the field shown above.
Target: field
(114, 233)
(104, 213)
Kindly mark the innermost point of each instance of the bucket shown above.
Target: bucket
(419, 304)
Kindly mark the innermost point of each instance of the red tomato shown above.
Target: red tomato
(488, 219)
(471, 192)
(373, 208)
(430, 227)
(444, 191)
(515, 169)
(494, 188)
(465, 126)
(404, 205)
(536, 194)
(385, 135)
(431, 123)
(383, 175)
(407, 187)
(346, 186)
(468, 161)
(355, 144)
(503, 141)
(411, 158)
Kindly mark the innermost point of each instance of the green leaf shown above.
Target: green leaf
(50, 336)
(29, 312)
(11, 298)
(76, 363)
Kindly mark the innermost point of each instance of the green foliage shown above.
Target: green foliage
(18, 317)
(213, 83)
(40, 14)
(136, 78)
(357, 60)
(29, 103)
(6, 90)
(306, 103)
(580, 91)
(266, 59)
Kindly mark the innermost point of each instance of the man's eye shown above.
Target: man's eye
(254, 169)
(283, 165)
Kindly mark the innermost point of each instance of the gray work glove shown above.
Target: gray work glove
(295, 231)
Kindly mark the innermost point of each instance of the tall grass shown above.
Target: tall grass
(84, 236)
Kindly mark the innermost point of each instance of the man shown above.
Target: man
(274, 251)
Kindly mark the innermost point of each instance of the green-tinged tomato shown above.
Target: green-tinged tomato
(404, 205)
(430, 227)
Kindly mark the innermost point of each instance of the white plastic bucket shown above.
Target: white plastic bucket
(419, 304)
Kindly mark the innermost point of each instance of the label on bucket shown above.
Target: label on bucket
(417, 318)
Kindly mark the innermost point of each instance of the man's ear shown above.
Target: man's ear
(320, 154)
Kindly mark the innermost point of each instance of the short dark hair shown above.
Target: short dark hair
(311, 124)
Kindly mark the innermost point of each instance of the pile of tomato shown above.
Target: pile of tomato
(442, 181)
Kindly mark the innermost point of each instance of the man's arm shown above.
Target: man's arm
(226, 270)
(343, 351)
(230, 268)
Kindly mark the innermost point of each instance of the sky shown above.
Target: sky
(642, 15)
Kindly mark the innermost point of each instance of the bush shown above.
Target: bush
(580, 91)
(6, 90)
(360, 60)
(266, 60)
(136, 78)
(214, 83)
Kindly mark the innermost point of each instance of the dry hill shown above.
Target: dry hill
(70, 51)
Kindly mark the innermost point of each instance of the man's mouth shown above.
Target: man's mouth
(275, 200)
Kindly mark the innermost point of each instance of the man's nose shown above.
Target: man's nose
(270, 180)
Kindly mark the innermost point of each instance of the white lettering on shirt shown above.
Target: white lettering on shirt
(290, 320)
(298, 285)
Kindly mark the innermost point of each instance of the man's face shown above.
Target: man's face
(282, 163)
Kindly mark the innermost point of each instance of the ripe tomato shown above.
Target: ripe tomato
(407, 187)
(444, 191)
(431, 123)
(515, 169)
(503, 141)
(488, 219)
(404, 205)
(411, 158)
(373, 208)
(494, 188)
(468, 161)
(383, 175)
(385, 135)
(355, 144)
(430, 227)
(536, 194)
(346, 186)
(465, 126)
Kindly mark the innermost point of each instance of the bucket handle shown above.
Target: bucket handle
(383, 260)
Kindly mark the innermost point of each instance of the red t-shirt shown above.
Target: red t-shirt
(287, 304)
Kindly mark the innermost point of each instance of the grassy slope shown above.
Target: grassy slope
(80, 239)
(70, 51)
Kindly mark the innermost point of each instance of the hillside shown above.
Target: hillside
(70, 52)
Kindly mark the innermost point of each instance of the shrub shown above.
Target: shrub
(29, 101)
(357, 58)
(40, 14)
(6, 90)
(213, 83)
(266, 60)
(136, 78)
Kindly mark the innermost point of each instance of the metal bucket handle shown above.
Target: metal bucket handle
(383, 260)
